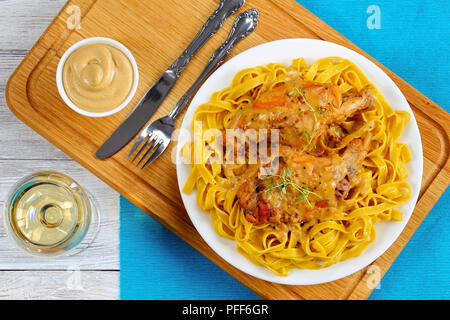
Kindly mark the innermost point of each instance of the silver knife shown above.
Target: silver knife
(157, 93)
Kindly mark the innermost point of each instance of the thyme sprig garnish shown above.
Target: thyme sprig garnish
(298, 90)
(285, 176)
(308, 140)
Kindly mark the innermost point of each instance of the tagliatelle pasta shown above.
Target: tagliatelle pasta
(340, 167)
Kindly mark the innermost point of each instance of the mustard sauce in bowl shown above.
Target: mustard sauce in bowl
(97, 77)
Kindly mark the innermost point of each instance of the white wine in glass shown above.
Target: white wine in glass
(49, 214)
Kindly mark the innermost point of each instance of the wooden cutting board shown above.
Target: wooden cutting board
(157, 32)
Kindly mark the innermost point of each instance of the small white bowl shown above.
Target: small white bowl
(111, 42)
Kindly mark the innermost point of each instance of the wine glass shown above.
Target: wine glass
(48, 214)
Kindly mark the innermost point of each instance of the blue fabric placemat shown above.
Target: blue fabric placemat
(412, 39)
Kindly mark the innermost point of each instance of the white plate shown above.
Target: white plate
(284, 51)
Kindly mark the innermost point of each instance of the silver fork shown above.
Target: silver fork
(158, 134)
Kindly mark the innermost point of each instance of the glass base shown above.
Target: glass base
(92, 231)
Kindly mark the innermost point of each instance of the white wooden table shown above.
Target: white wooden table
(94, 273)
